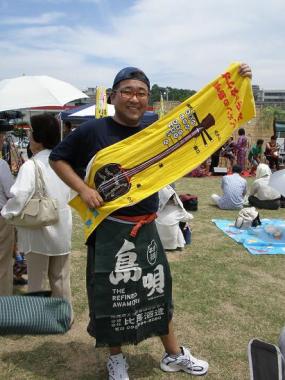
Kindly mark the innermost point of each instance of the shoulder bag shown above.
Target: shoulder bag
(40, 210)
(247, 217)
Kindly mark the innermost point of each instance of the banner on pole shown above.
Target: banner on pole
(161, 107)
(101, 103)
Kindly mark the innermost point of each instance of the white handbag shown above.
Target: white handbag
(40, 210)
(247, 217)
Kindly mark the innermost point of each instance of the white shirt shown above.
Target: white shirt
(49, 240)
(261, 190)
(6, 181)
(170, 213)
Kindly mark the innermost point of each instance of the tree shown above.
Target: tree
(268, 116)
(155, 93)
(169, 93)
(272, 111)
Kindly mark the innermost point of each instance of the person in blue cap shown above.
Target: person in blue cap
(129, 283)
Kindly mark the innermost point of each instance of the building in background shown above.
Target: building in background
(269, 97)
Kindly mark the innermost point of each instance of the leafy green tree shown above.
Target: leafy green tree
(273, 112)
(268, 114)
(155, 93)
(169, 93)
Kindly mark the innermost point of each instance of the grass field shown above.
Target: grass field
(223, 297)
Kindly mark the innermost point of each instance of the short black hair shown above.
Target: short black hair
(241, 132)
(259, 142)
(45, 130)
(237, 169)
(273, 138)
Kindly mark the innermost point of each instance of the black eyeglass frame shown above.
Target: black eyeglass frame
(132, 93)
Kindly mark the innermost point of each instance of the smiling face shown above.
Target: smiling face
(130, 99)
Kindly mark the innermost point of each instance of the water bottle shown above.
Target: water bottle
(187, 234)
(186, 231)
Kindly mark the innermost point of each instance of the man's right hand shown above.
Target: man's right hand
(91, 197)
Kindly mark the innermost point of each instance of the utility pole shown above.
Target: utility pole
(166, 93)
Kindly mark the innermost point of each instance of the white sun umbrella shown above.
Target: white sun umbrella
(277, 181)
(90, 111)
(36, 91)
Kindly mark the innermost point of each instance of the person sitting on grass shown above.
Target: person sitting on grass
(234, 188)
(261, 194)
(272, 153)
(254, 155)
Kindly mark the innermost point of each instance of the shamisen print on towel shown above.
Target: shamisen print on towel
(133, 169)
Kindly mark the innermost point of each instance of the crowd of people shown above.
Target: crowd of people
(120, 270)
(262, 163)
(240, 152)
(46, 249)
(236, 193)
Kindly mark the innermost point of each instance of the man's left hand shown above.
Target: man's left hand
(245, 70)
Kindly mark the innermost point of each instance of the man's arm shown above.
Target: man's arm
(89, 196)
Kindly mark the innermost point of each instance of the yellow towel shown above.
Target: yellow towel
(169, 148)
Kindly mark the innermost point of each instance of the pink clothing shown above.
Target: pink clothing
(241, 147)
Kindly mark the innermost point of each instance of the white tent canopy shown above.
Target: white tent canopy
(36, 91)
(90, 111)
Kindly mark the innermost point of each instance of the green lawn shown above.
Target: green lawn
(223, 297)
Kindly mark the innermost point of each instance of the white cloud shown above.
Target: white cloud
(43, 19)
(180, 44)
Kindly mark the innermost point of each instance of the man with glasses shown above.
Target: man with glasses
(137, 268)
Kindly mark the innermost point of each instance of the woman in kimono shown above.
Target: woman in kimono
(241, 148)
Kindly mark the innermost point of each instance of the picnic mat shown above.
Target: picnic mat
(267, 239)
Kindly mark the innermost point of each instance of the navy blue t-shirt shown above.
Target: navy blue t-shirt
(79, 147)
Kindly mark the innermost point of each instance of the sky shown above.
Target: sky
(177, 43)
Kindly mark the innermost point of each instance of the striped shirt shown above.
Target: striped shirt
(6, 181)
(234, 188)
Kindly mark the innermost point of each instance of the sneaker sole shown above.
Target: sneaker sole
(167, 368)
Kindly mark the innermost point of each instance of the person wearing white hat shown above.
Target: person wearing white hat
(261, 194)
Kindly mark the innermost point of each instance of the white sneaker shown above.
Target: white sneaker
(184, 362)
(117, 367)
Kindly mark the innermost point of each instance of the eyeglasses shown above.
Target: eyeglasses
(128, 93)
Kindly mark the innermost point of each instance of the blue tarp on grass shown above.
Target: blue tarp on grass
(256, 240)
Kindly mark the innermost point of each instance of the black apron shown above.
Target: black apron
(129, 285)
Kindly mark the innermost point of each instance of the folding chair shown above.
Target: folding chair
(265, 361)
